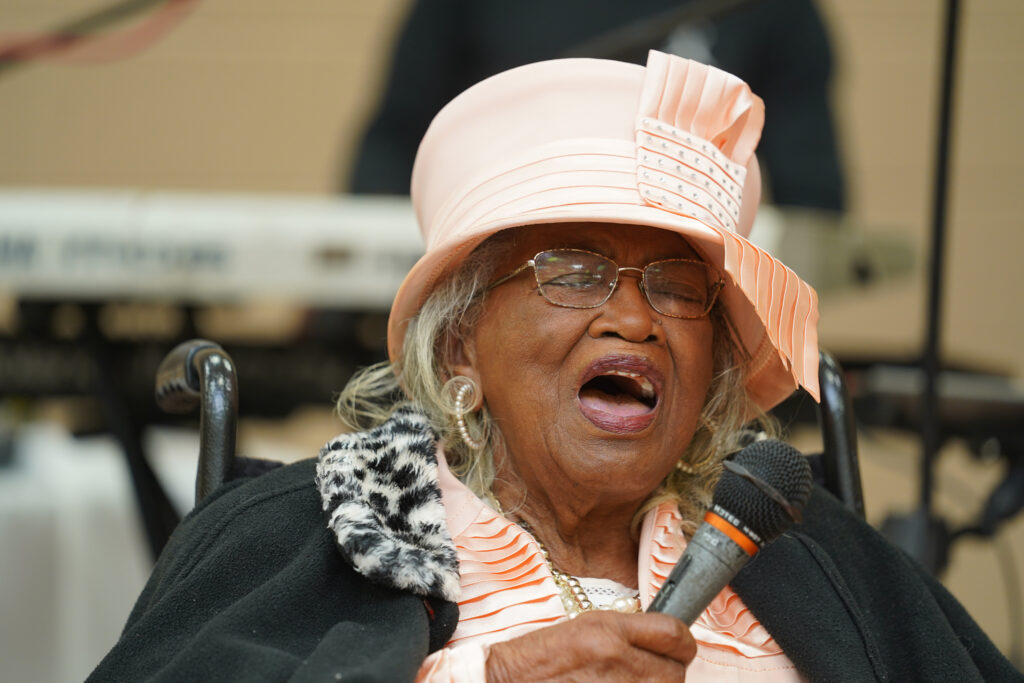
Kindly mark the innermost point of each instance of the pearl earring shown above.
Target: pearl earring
(461, 409)
(685, 467)
(708, 423)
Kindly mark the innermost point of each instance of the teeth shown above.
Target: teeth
(646, 388)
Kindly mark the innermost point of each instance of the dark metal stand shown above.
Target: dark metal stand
(974, 411)
(925, 537)
(931, 361)
(159, 517)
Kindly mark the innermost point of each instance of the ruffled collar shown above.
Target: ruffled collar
(382, 492)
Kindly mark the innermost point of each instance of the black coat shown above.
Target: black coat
(252, 587)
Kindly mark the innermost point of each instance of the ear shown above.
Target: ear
(462, 360)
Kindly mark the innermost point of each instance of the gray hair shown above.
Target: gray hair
(422, 376)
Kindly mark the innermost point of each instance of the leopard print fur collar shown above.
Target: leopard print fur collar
(380, 492)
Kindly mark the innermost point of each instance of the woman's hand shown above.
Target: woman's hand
(605, 646)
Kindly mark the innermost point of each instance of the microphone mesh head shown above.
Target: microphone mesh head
(779, 465)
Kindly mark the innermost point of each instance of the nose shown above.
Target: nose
(627, 314)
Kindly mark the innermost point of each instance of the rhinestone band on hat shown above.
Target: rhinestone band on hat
(686, 174)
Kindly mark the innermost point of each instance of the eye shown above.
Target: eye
(578, 279)
(680, 291)
(678, 283)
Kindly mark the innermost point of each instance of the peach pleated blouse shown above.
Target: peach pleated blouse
(508, 590)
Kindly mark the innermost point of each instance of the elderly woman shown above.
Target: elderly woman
(570, 362)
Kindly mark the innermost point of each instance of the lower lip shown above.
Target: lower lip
(617, 424)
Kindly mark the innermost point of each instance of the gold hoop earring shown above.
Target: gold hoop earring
(461, 408)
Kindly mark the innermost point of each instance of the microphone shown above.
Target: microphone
(762, 491)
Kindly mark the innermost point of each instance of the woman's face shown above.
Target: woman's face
(604, 400)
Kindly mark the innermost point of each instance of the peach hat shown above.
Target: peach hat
(669, 146)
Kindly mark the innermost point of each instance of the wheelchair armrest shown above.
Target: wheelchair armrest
(199, 372)
(838, 464)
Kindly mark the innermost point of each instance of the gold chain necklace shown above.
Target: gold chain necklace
(574, 598)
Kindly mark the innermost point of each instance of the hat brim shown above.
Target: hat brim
(781, 301)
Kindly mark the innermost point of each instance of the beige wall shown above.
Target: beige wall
(243, 95)
(266, 96)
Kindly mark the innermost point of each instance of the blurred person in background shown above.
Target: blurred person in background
(779, 47)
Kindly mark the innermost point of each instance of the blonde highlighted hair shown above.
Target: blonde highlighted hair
(422, 377)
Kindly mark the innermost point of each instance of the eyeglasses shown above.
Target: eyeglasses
(574, 278)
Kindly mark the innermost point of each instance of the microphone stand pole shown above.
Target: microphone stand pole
(931, 362)
(925, 537)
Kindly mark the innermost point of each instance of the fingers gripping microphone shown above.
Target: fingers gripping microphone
(762, 491)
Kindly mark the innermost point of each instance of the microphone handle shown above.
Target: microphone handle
(710, 561)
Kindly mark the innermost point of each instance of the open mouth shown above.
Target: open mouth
(619, 394)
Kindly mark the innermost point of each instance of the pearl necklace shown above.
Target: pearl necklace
(574, 597)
